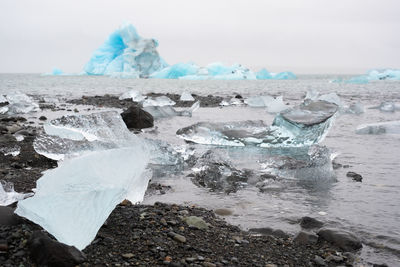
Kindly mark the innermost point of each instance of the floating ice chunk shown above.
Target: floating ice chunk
(135, 95)
(3, 110)
(21, 103)
(356, 108)
(301, 126)
(176, 71)
(331, 98)
(258, 101)
(13, 151)
(126, 52)
(57, 71)
(389, 127)
(19, 137)
(276, 105)
(231, 102)
(73, 201)
(312, 95)
(376, 75)
(168, 111)
(158, 101)
(3, 99)
(358, 80)
(387, 106)
(186, 96)
(272, 104)
(8, 195)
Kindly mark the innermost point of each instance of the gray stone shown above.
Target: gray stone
(196, 222)
(319, 261)
(305, 238)
(309, 223)
(136, 118)
(344, 240)
(45, 251)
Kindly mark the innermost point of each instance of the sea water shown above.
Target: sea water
(370, 209)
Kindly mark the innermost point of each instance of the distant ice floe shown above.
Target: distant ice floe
(389, 127)
(376, 75)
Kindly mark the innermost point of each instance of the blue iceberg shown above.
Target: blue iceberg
(176, 71)
(126, 53)
(376, 75)
(263, 74)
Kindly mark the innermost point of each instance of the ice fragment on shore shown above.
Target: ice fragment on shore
(13, 151)
(8, 195)
(301, 126)
(389, 127)
(73, 201)
(158, 101)
(74, 135)
(126, 54)
(159, 112)
(186, 96)
(21, 103)
(3, 99)
(135, 95)
(331, 98)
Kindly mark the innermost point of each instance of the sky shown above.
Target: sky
(303, 36)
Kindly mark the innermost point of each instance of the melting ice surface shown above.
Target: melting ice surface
(104, 164)
(301, 126)
(158, 101)
(126, 54)
(168, 111)
(135, 95)
(73, 201)
(8, 195)
(19, 103)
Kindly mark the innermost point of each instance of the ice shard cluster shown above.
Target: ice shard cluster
(17, 103)
(103, 164)
(127, 55)
(304, 125)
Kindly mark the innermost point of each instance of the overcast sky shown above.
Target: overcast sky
(309, 36)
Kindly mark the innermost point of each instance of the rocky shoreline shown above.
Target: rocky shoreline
(157, 235)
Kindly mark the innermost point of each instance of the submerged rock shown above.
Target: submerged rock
(344, 240)
(305, 238)
(309, 223)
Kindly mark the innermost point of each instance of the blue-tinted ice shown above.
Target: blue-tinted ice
(103, 164)
(126, 54)
(304, 125)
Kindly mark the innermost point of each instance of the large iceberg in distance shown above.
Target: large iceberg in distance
(126, 53)
(304, 125)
